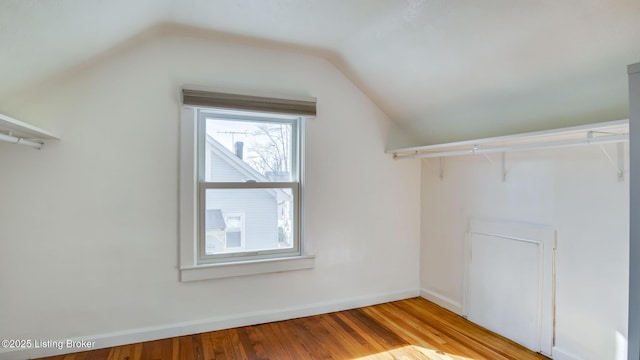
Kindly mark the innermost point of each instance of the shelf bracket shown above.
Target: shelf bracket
(618, 165)
(441, 167)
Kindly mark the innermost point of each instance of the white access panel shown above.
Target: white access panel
(504, 288)
(509, 282)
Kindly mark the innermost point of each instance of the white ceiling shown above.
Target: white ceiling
(444, 69)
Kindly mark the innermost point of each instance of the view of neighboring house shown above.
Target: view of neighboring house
(242, 219)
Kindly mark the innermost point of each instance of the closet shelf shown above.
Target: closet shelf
(18, 132)
(600, 133)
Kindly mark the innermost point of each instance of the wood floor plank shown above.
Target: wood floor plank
(281, 331)
(458, 330)
(207, 346)
(232, 346)
(452, 337)
(388, 338)
(157, 350)
(367, 340)
(428, 336)
(350, 346)
(312, 347)
(408, 329)
(271, 345)
(218, 340)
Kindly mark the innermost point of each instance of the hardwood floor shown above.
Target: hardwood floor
(407, 329)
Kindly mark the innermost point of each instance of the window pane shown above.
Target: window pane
(240, 220)
(241, 151)
(234, 239)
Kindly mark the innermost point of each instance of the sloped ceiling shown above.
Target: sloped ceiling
(444, 70)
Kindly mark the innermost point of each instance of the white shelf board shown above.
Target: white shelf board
(611, 131)
(23, 130)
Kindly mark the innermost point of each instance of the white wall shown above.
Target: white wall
(576, 190)
(88, 225)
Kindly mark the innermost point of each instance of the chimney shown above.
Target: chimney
(239, 146)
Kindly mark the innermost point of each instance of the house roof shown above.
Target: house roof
(215, 220)
(244, 168)
(237, 163)
(442, 69)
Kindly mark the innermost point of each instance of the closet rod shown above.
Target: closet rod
(533, 146)
(16, 140)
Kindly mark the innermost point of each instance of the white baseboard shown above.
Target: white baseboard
(559, 354)
(442, 300)
(211, 324)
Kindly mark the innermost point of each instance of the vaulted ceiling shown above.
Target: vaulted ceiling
(443, 69)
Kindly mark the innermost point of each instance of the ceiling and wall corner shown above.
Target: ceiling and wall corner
(443, 71)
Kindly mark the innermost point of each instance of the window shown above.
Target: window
(248, 171)
(240, 185)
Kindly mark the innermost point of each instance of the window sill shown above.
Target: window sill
(244, 268)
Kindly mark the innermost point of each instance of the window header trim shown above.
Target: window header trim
(248, 102)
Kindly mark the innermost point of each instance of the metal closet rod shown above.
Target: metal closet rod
(548, 145)
(16, 140)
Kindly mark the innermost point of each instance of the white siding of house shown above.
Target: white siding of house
(259, 206)
(260, 214)
(221, 170)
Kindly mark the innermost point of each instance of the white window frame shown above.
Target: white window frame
(192, 266)
(294, 185)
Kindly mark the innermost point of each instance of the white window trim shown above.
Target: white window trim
(190, 270)
(244, 268)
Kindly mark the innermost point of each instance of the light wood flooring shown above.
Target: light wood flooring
(407, 329)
